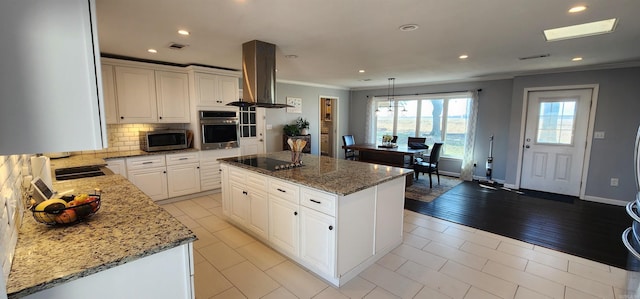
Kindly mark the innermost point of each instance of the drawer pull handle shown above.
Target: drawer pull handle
(183, 158)
(295, 213)
(330, 227)
(312, 200)
(147, 162)
(245, 192)
(283, 191)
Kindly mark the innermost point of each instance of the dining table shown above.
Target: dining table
(398, 155)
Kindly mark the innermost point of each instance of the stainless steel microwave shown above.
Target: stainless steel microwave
(219, 129)
(162, 140)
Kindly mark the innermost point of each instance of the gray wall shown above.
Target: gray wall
(493, 113)
(310, 96)
(618, 115)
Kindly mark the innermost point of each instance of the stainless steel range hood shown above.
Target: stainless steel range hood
(259, 75)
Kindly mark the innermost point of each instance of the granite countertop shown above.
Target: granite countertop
(337, 176)
(128, 226)
(99, 158)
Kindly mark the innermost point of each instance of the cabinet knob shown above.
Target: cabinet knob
(330, 227)
(244, 192)
(295, 213)
(121, 117)
(160, 117)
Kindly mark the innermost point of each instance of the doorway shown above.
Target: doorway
(328, 125)
(252, 130)
(555, 139)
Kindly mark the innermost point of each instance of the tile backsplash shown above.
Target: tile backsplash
(125, 137)
(12, 169)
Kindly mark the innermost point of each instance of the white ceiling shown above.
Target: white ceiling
(333, 39)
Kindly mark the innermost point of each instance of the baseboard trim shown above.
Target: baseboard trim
(606, 200)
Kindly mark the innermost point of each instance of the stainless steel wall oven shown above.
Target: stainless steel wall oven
(219, 129)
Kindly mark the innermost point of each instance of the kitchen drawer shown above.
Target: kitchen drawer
(284, 190)
(248, 178)
(173, 159)
(210, 175)
(145, 162)
(319, 201)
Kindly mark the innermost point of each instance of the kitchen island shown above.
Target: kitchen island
(333, 217)
(131, 248)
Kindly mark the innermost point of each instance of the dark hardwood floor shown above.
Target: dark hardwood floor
(582, 228)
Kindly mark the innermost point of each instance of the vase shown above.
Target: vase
(304, 131)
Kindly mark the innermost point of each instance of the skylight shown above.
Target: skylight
(581, 30)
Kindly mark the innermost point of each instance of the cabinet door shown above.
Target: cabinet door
(172, 90)
(210, 175)
(109, 91)
(283, 224)
(318, 240)
(183, 179)
(49, 94)
(226, 193)
(152, 181)
(136, 91)
(207, 90)
(227, 89)
(238, 204)
(117, 166)
(258, 220)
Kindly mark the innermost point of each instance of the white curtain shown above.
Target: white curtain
(466, 171)
(369, 118)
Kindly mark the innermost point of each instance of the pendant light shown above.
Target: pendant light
(391, 91)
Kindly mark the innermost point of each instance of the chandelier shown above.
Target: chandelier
(391, 91)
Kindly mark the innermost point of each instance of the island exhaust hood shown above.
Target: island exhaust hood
(259, 76)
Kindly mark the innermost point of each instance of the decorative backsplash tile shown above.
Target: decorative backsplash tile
(11, 206)
(126, 137)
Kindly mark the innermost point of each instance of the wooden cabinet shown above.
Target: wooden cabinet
(284, 228)
(109, 91)
(212, 90)
(172, 92)
(307, 138)
(117, 166)
(249, 204)
(149, 174)
(50, 91)
(183, 174)
(136, 92)
(318, 240)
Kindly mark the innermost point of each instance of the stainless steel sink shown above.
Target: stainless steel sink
(78, 172)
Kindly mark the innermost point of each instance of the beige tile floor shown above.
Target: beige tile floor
(438, 259)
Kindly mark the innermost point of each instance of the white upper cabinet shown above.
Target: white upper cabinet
(136, 90)
(214, 89)
(109, 91)
(172, 90)
(51, 91)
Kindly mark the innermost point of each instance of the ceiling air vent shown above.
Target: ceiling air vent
(177, 46)
(534, 57)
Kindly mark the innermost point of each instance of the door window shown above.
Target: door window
(556, 122)
(248, 125)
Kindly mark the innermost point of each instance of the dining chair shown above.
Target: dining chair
(431, 166)
(349, 154)
(417, 142)
(395, 139)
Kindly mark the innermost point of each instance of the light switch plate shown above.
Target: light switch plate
(598, 135)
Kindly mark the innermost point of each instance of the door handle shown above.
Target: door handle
(527, 146)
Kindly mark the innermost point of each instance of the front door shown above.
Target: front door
(555, 140)
(252, 131)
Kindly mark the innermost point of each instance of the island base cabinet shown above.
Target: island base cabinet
(250, 208)
(284, 225)
(318, 241)
(164, 275)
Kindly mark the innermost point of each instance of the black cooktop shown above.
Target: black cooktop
(268, 163)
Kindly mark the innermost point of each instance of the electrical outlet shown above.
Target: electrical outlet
(598, 135)
(614, 182)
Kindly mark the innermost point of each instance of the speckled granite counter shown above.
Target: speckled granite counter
(336, 176)
(127, 227)
(99, 158)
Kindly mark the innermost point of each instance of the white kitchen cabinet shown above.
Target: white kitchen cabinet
(183, 174)
(318, 241)
(249, 202)
(149, 174)
(225, 186)
(109, 91)
(51, 92)
(172, 91)
(210, 174)
(213, 90)
(117, 166)
(284, 228)
(136, 92)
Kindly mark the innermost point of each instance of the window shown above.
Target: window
(439, 118)
(556, 122)
(248, 126)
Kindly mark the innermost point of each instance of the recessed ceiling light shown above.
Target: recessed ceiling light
(183, 32)
(464, 56)
(361, 71)
(581, 30)
(408, 27)
(154, 51)
(578, 8)
(576, 59)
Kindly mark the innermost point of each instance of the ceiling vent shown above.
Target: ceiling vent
(177, 46)
(534, 57)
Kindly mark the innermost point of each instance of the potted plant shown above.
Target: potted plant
(291, 130)
(303, 126)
